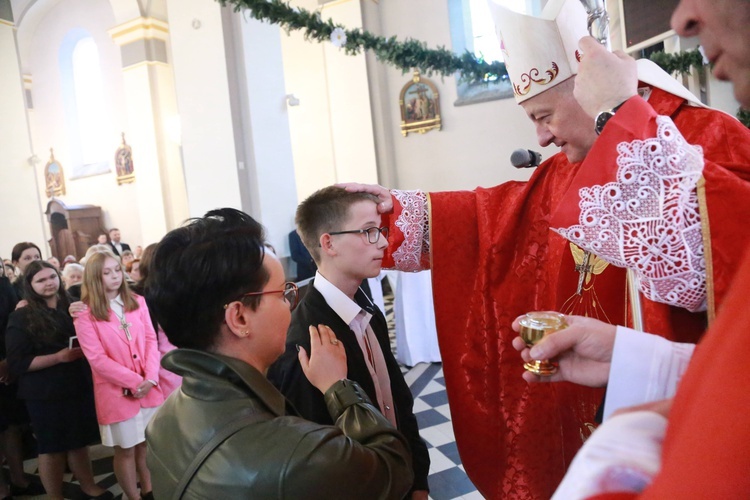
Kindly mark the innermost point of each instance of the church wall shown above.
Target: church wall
(19, 200)
(40, 44)
(474, 146)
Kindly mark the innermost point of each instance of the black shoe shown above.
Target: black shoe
(32, 490)
(147, 496)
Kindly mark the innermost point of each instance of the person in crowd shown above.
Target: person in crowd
(126, 257)
(138, 252)
(118, 339)
(22, 255)
(507, 249)
(650, 452)
(54, 381)
(114, 242)
(53, 260)
(305, 264)
(12, 411)
(343, 234)
(72, 276)
(168, 380)
(68, 259)
(133, 269)
(14, 417)
(96, 249)
(228, 314)
(102, 239)
(10, 272)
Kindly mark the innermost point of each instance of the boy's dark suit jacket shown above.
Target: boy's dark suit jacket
(286, 373)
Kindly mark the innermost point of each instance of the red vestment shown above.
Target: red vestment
(706, 451)
(493, 258)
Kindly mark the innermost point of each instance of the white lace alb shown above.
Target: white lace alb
(648, 219)
(413, 223)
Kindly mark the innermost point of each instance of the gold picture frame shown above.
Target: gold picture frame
(54, 177)
(124, 163)
(420, 106)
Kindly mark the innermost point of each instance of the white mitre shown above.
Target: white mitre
(541, 52)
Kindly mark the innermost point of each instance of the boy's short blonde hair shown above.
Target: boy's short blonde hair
(325, 211)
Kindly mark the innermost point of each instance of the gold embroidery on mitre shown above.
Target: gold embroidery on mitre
(533, 77)
(585, 302)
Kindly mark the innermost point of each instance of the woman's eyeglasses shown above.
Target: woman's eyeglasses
(290, 293)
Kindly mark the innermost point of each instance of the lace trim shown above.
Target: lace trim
(648, 219)
(413, 222)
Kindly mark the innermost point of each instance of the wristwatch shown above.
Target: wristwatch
(603, 117)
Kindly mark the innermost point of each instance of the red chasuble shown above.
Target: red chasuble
(493, 257)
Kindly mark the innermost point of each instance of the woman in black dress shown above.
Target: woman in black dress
(54, 380)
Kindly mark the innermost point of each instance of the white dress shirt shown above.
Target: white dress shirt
(359, 322)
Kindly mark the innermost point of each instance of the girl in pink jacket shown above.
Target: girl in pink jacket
(118, 339)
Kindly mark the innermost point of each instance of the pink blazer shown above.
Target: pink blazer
(118, 364)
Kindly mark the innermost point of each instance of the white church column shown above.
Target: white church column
(19, 197)
(152, 109)
(200, 69)
(261, 127)
(230, 90)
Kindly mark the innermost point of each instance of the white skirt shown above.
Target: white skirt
(130, 432)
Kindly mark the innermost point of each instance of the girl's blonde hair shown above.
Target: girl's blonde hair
(92, 290)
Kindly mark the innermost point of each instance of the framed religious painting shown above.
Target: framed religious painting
(54, 176)
(124, 163)
(420, 106)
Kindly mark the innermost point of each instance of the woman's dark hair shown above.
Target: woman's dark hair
(199, 268)
(15, 255)
(40, 322)
(146, 257)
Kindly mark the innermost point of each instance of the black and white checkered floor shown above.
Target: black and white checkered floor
(447, 478)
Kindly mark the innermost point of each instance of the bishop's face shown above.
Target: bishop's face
(561, 121)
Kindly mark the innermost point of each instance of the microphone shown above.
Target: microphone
(525, 158)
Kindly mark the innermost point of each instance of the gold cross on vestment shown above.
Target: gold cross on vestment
(583, 268)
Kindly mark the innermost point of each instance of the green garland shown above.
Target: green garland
(409, 54)
(680, 62)
(743, 115)
(405, 55)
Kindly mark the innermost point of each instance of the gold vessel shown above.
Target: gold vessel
(534, 327)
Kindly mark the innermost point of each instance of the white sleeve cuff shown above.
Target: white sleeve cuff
(644, 368)
(623, 455)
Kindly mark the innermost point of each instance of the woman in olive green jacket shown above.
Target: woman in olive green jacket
(223, 302)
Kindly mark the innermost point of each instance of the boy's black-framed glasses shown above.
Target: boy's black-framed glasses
(373, 233)
(290, 293)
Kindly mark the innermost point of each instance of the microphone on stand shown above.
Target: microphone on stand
(525, 158)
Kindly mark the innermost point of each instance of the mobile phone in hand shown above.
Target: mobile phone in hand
(73, 343)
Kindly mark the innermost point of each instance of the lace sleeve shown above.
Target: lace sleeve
(413, 221)
(648, 220)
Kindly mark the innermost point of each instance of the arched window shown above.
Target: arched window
(473, 29)
(87, 118)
